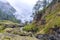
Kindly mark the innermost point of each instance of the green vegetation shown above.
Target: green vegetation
(31, 27)
(52, 19)
(9, 16)
(46, 19)
(7, 24)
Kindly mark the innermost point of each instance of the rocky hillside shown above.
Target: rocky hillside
(49, 22)
(49, 19)
(46, 19)
(6, 36)
(46, 23)
(13, 31)
(10, 28)
(45, 26)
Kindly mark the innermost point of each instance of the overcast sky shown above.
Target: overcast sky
(23, 7)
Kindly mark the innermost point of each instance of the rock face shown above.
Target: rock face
(6, 8)
(50, 19)
(7, 11)
(55, 35)
(49, 37)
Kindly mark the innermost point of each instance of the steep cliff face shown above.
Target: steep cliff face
(49, 19)
(46, 19)
(7, 8)
(49, 22)
(6, 11)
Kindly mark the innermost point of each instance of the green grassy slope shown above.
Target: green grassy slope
(53, 18)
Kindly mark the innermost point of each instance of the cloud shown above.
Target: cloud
(23, 7)
(3, 0)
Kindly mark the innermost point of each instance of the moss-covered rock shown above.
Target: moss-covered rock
(7, 36)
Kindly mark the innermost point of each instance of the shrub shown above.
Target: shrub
(30, 27)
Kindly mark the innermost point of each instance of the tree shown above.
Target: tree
(40, 4)
(37, 6)
(44, 3)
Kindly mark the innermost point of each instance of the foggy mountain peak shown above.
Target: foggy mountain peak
(3, 1)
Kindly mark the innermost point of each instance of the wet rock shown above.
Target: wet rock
(48, 37)
(51, 37)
